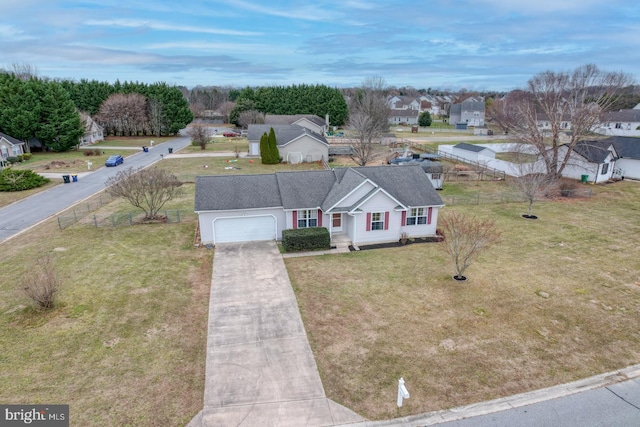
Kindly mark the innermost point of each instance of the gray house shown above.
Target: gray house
(372, 204)
(296, 143)
(310, 121)
(469, 111)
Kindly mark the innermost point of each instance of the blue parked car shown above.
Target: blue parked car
(114, 160)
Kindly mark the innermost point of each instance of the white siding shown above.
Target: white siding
(311, 149)
(206, 220)
(357, 195)
(423, 230)
(630, 168)
(380, 202)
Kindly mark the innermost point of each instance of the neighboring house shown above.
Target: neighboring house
(408, 116)
(93, 132)
(10, 147)
(545, 124)
(628, 151)
(295, 143)
(621, 123)
(473, 152)
(468, 111)
(312, 122)
(596, 159)
(372, 204)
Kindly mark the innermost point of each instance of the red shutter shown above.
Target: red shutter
(368, 221)
(295, 219)
(386, 220)
(319, 218)
(404, 218)
(429, 215)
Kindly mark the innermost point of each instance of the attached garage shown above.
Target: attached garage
(244, 229)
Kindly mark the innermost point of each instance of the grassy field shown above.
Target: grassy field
(557, 300)
(240, 145)
(138, 141)
(125, 346)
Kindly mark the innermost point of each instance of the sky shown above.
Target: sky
(439, 44)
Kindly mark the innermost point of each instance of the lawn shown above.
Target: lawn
(125, 345)
(557, 300)
(239, 145)
(132, 313)
(187, 168)
(73, 161)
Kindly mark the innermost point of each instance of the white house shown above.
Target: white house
(469, 111)
(93, 132)
(408, 116)
(628, 150)
(621, 123)
(370, 205)
(595, 159)
(295, 143)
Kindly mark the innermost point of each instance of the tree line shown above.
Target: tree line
(48, 110)
(319, 100)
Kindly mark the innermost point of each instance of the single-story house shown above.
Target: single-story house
(596, 159)
(370, 205)
(10, 147)
(295, 143)
(473, 152)
(622, 122)
(309, 121)
(628, 150)
(93, 132)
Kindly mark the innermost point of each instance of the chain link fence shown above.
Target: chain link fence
(125, 219)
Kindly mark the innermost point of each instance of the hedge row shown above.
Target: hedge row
(306, 239)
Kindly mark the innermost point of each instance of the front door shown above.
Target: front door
(336, 222)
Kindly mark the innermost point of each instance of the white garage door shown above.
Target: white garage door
(244, 229)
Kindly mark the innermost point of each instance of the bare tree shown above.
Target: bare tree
(368, 118)
(24, 71)
(250, 117)
(225, 110)
(200, 135)
(41, 283)
(147, 189)
(465, 237)
(529, 176)
(571, 103)
(124, 114)
(155, 113)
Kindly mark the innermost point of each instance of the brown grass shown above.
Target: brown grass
(374, 316)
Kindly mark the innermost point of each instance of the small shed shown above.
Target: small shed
(473, 152)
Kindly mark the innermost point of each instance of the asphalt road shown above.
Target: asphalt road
(20, 216)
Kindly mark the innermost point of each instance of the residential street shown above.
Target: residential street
(19, 216)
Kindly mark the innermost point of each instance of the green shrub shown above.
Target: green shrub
(306, 239)
(27, 156)
(12, 159)
(20, 158)
(19, 180)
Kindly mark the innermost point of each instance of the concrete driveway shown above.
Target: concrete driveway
(260, 368)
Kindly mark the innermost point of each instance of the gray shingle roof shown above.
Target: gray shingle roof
(226, 192)
(626, 146)
(593, 151)
(284, 133)
(308, 189)
(470, 147)
(284, 119)
(304, 190)
(11, 139)
(628, 115)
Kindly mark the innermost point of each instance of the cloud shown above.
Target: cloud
(161, 26)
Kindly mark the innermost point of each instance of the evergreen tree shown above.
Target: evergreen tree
(424, 119)
(274, 153)
(264, 149)
(60, 127)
